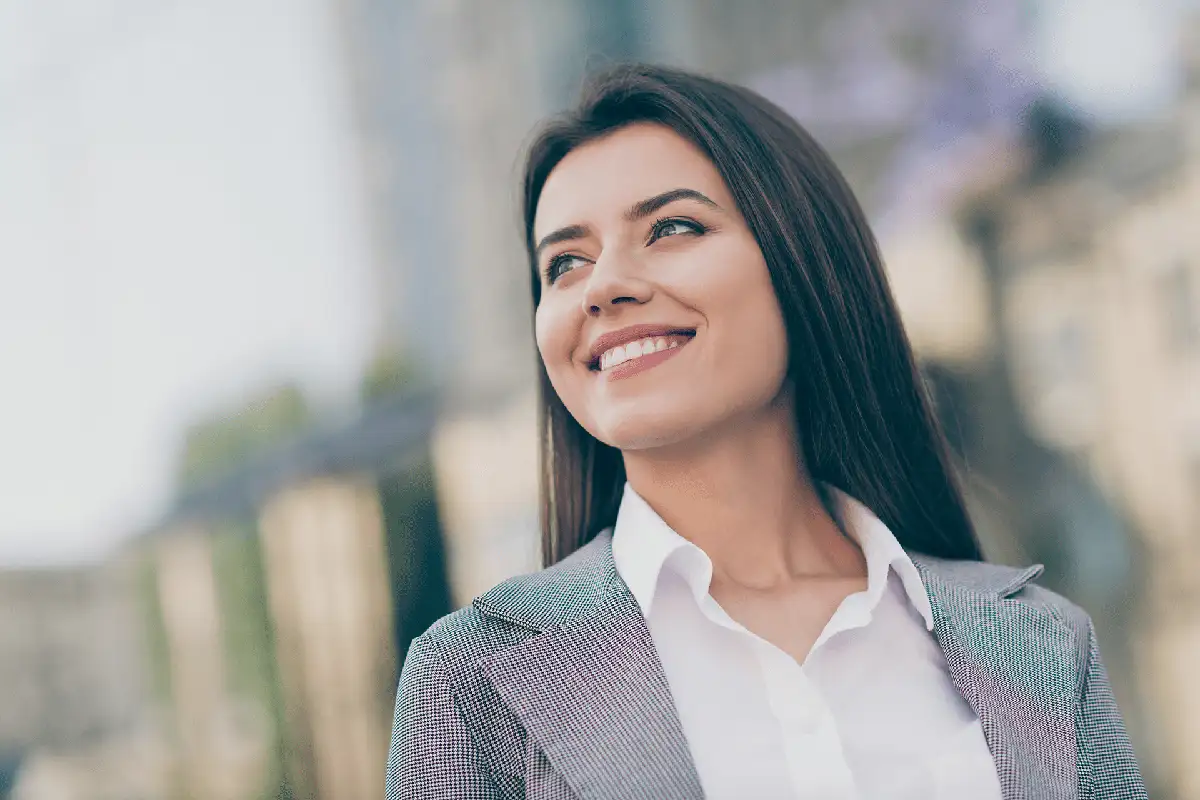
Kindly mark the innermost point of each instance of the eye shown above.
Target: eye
(674, 226)
(560, 264)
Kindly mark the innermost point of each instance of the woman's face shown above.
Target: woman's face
(657, 320)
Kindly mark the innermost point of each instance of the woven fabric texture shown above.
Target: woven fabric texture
(548, 687)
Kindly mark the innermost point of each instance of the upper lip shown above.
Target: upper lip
(607, 341)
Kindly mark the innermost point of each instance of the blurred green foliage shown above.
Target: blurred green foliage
(417, 570)
(227, 438)
(391, 372)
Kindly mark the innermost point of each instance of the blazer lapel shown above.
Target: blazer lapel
(590, 690)
(1014, 662)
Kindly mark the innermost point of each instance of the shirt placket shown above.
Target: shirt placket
(812, 745)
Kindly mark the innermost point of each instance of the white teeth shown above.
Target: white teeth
(631, 350)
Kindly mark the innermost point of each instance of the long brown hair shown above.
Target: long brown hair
(865, 421)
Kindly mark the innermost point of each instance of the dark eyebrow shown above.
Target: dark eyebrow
(639, 210)
(644, 208)
(561, 235)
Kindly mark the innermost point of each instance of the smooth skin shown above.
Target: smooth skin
(708, 436)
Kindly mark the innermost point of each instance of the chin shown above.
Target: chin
(646, 429)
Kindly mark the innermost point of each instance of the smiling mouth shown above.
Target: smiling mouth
(632, 351)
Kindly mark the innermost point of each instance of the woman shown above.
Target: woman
(761, 578)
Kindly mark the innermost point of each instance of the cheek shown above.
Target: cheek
(556, 330)
(549, 333)
(745, 314)
(759, 342)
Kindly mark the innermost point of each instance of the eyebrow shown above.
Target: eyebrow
(644, 208)
(639, 210)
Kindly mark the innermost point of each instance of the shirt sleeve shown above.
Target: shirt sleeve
(432, 753)
(1108, 768)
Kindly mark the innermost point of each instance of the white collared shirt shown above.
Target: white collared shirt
(870, 714)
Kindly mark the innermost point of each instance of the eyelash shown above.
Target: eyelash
(696, 229)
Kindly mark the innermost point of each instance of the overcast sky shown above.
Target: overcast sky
(180, 221)
(1113, 58)
(178, 224)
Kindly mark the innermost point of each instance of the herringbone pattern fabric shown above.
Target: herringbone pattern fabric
(548, 687)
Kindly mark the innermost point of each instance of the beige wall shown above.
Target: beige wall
(1151, 449)
(486, 466)
(938, 284)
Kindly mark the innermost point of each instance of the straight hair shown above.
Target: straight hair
(865, 421)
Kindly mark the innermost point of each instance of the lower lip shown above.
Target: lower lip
(636, 365)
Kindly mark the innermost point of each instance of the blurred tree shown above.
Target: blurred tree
(214, 445)
(390, 372)
(1053, 133)
(416, 552)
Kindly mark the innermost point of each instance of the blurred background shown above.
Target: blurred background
(266, 386)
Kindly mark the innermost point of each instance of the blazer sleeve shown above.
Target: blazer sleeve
(432, 753)
(1108, 768)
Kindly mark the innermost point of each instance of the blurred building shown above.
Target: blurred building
(72, 676)
(221, 745)
(331, 607)
(285, 588)
(1078, 258)
(486, 460)
(62, 684)
(1102, 311)
(443, 93)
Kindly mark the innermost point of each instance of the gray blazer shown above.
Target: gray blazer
(548, 686)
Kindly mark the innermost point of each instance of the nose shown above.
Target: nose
(612, 284)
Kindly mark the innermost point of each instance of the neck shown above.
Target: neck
(745, 498)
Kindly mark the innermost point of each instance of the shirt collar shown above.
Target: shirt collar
(643, 545)
(883, 554)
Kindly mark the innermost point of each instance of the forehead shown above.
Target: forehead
(597, 182)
